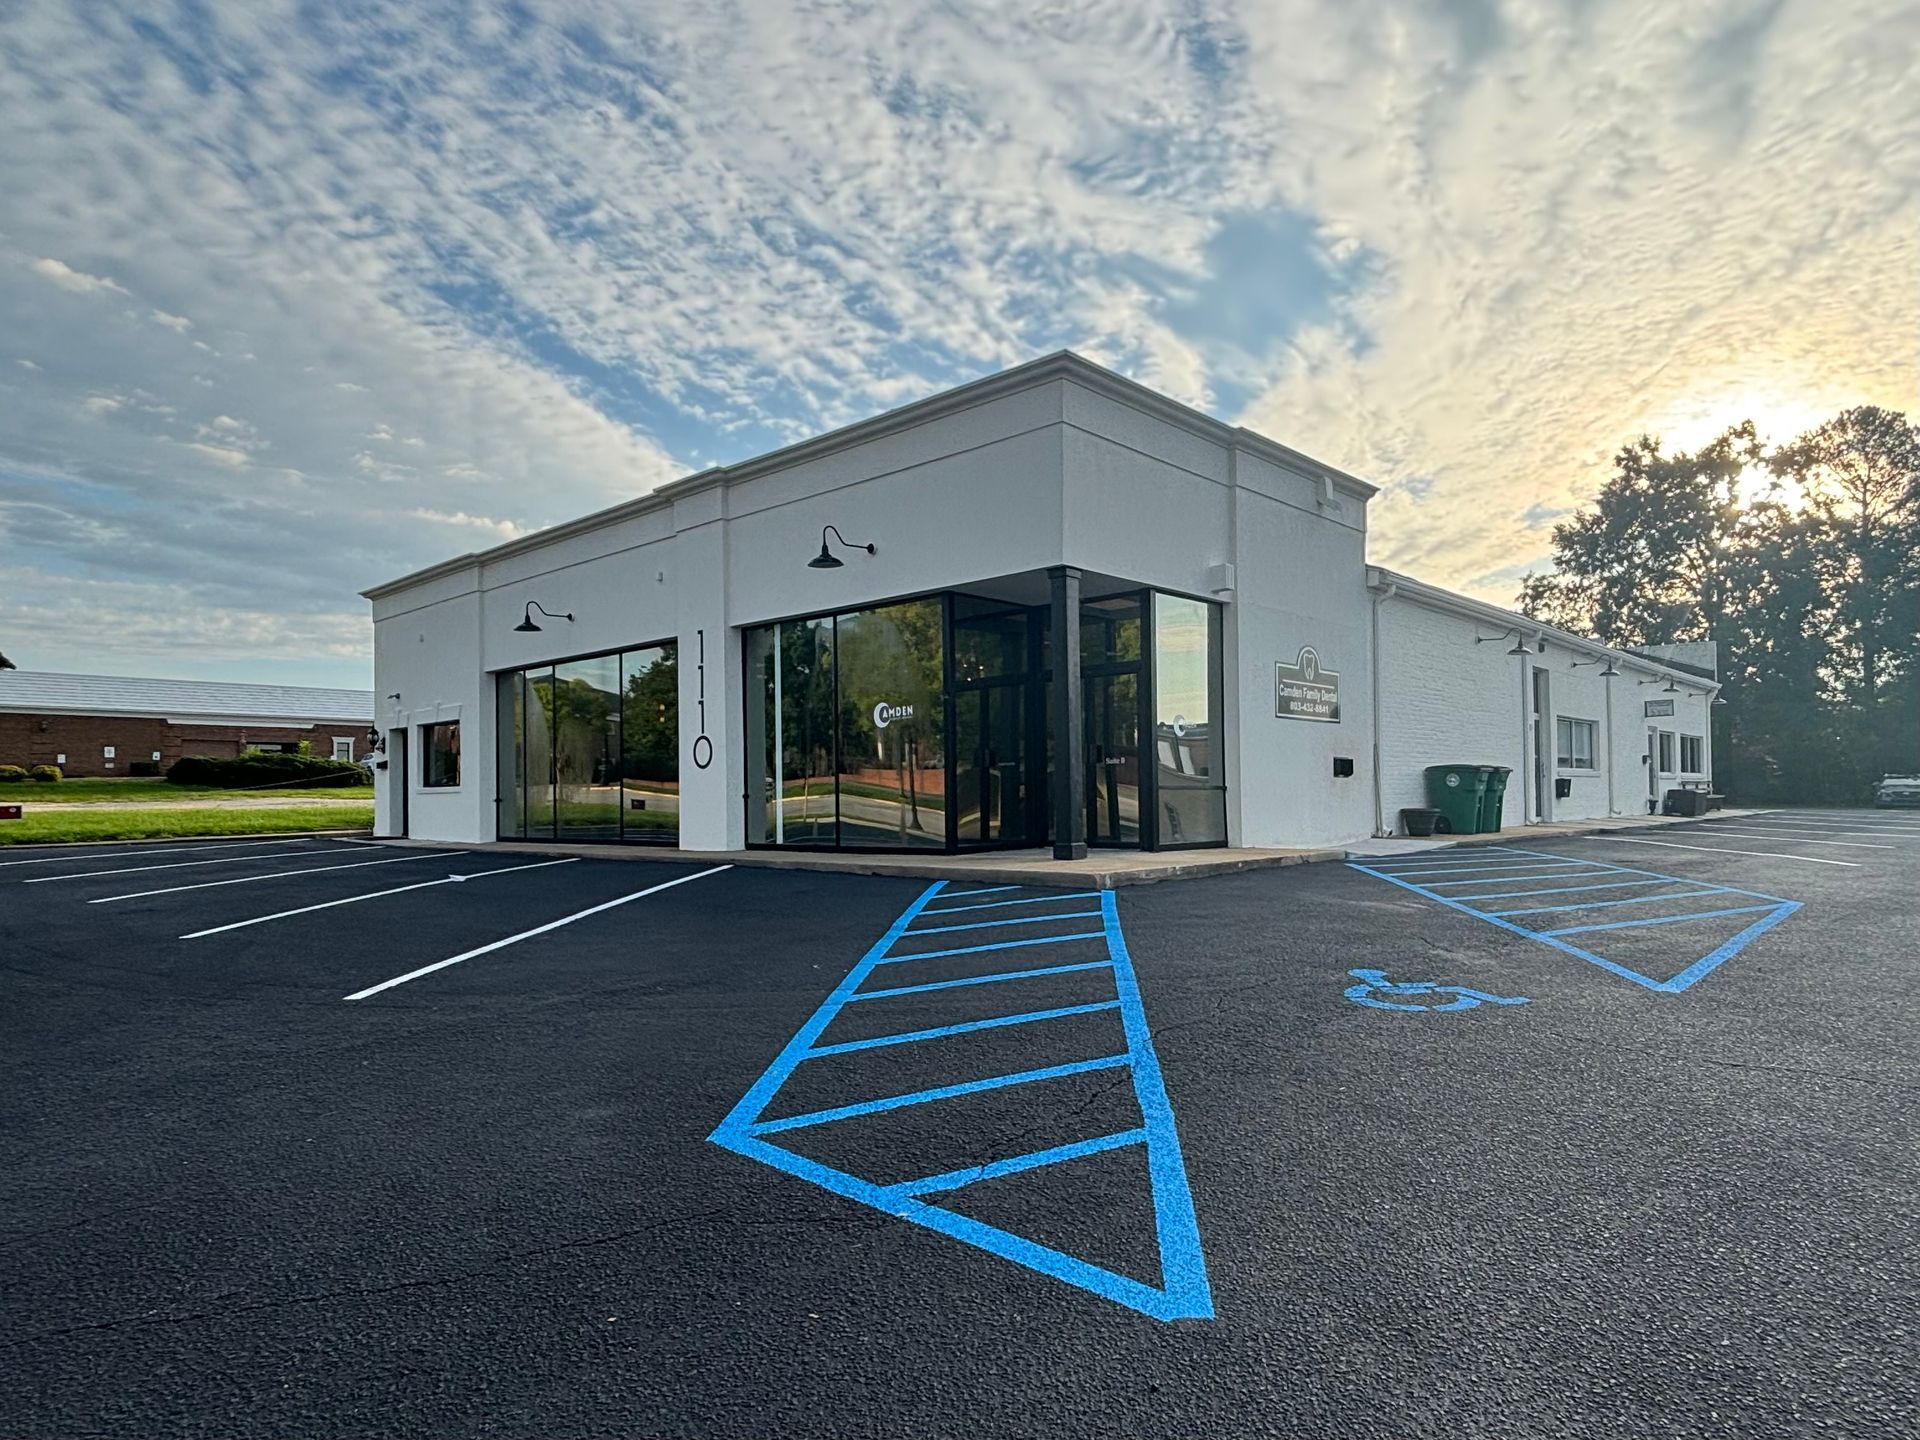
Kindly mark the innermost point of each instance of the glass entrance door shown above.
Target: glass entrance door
(991, 763)
(1112, 705)
(996, 704)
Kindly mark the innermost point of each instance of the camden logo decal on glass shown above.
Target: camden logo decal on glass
(1305, 690)
(885, 714)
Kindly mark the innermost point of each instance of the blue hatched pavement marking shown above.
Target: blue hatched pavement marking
(1002, 904)
(1777, 909)
(981, 949)
(990, 924)
(1184, 1291)
(966, 980)
(1604, 904)
(965, 1027)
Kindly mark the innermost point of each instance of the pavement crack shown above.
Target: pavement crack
(495, 1269)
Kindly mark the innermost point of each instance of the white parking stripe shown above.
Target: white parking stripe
(375, 895)
(1797, 839)
(171, 865)
(256, 879)
(1798, 827)
(529, 934)
(152, 850)
(1726, 850)
(1833, 822)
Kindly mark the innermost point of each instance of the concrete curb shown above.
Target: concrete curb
(9, 848)
(1052, 874)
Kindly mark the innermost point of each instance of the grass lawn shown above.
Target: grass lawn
(59, 826)
(126, 792)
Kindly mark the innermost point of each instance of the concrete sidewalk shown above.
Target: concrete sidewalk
(1101, 870)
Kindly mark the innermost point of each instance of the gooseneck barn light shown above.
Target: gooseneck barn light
(826, 559)
(527, 623)
(1519, 641)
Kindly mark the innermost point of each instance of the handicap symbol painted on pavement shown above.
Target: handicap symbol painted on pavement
(1376, 987)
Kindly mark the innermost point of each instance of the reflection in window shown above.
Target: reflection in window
(892, 755)
(440, 754)
(589, 749)
(846, 730)
(586, 748)
(1191, 787)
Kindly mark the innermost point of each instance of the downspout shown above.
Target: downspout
(1380, 829)
(1607, 680)
(1528, 741)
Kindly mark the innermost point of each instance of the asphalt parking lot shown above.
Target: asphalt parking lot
(1574, 1137)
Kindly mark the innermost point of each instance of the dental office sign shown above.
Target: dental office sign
(1305, 691)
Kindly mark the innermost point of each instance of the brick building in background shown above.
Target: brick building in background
(93, 725)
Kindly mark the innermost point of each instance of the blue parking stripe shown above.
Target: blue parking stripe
(988, 890)
(988, 924)
(1658, 920)
(954, 1179)
(1002, 904)
(979, 980)
(942, 1092)
(1001, 945)
(909, 1037)
(1570, 889)
(1607, 904)
(1558, 874)
(1485, 865)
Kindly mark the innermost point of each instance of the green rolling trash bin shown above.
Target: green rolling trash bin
(1491, 801)
(1455, 791)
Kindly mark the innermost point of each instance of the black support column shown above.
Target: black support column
(1063, 719)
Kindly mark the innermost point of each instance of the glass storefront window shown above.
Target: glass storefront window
(846, 730)
(589, 749)
(649, 743)
(892, 727)
(586, 748)
(1190, 787)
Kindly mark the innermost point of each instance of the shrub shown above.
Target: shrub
(247, 772)
(47, 773)
(11, 774)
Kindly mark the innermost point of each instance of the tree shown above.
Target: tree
(1649, 563)
(1860, 472)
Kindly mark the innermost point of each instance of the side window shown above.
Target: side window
(1666, 752)
(1691, 758)
(343, 747)
(440, 754)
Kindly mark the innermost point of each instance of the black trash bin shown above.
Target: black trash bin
(1455, 791)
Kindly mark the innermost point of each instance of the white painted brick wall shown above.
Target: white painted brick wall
(1443, 700)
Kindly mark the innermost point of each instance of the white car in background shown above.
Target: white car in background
(1897, 792)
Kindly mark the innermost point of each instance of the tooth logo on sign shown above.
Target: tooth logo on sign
(885, 714)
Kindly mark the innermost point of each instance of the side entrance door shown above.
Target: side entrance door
(397, 777)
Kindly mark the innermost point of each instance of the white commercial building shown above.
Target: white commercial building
(857, 642)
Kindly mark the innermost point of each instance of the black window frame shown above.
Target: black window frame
(428, 753)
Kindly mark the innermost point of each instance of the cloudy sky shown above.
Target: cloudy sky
(295, 298)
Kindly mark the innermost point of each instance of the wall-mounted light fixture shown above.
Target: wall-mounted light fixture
(527, 624)
(1606, 674)
(1671, 688)
(826, 559)
(1519, 641)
